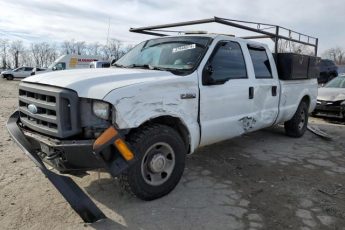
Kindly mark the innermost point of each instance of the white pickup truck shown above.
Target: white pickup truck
(163, 100)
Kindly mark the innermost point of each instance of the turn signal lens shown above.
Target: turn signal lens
(124, 150)
(105, 137)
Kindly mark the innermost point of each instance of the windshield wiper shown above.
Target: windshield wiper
(144, 66)
(151, 67)
(118, 65)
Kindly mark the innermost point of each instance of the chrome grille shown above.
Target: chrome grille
(57, 109)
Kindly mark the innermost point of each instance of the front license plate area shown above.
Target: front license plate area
(45, 148)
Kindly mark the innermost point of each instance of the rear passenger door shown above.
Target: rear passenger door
(266, 87)
(224, 94)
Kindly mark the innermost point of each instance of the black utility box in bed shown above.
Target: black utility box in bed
(293, 66)
(314, 67)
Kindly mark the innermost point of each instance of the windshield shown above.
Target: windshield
(338, 82)
(173, 53)
(52, 65)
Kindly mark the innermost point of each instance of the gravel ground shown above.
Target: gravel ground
(263, 180)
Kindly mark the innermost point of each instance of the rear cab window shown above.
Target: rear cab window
(261, 63)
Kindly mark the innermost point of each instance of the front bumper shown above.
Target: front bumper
(68, 156)
(332, 111)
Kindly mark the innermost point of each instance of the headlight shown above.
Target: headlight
(101, 109)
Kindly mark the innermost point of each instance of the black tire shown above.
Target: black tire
(9, 77)
(297, 126)
(146, 141)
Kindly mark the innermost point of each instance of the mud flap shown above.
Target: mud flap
(73, 194)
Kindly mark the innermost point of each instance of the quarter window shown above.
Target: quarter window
(262, 67)
(227, 63)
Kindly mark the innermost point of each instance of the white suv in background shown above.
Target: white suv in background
(21, 72)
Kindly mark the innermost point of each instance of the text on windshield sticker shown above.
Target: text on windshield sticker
(183, 48)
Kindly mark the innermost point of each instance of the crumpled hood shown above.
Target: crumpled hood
(331, 94)
(97, 83)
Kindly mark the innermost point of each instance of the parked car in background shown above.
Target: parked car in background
(341, 69)
(70, 61)
(100, 64)
(331, 99)
(21, 72)
(328, 71)
(36, 69)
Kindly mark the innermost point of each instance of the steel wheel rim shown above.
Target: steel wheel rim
(158, 164)
(302, 120)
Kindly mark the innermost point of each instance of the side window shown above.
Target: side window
(227, 62)
(105, 65)
(28, 69)
(60, 66)
(262, 67)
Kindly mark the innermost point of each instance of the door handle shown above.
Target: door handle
(274, 90)
(251, 92)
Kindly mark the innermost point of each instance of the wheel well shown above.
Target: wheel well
(306, 99)
(174, 123)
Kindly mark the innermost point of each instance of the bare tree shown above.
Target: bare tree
(68, 47)
(336, 54)
(285, 46)
(4, 46)
(43, 53)
(94, 49)
(112, 50)
(16, 48)
(25, 58)
(80, 47)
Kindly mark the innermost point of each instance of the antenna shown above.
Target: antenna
(108, 30)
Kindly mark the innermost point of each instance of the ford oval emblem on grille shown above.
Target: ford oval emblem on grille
(32, 108)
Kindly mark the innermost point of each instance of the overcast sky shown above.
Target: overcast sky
(88, 20)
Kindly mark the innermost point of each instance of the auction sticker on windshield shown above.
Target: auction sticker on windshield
(183, 48)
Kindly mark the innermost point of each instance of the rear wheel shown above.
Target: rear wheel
(297, 126)
(160, 162)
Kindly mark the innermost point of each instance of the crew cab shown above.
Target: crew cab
(160, 102)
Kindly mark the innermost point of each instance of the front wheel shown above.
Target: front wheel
(160, 163)
(9, 77)
(297, 126)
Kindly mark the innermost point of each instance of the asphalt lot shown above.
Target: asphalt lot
(263, 180)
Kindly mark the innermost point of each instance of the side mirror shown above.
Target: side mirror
(207, 75)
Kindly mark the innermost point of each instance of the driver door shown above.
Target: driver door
(225, 94)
